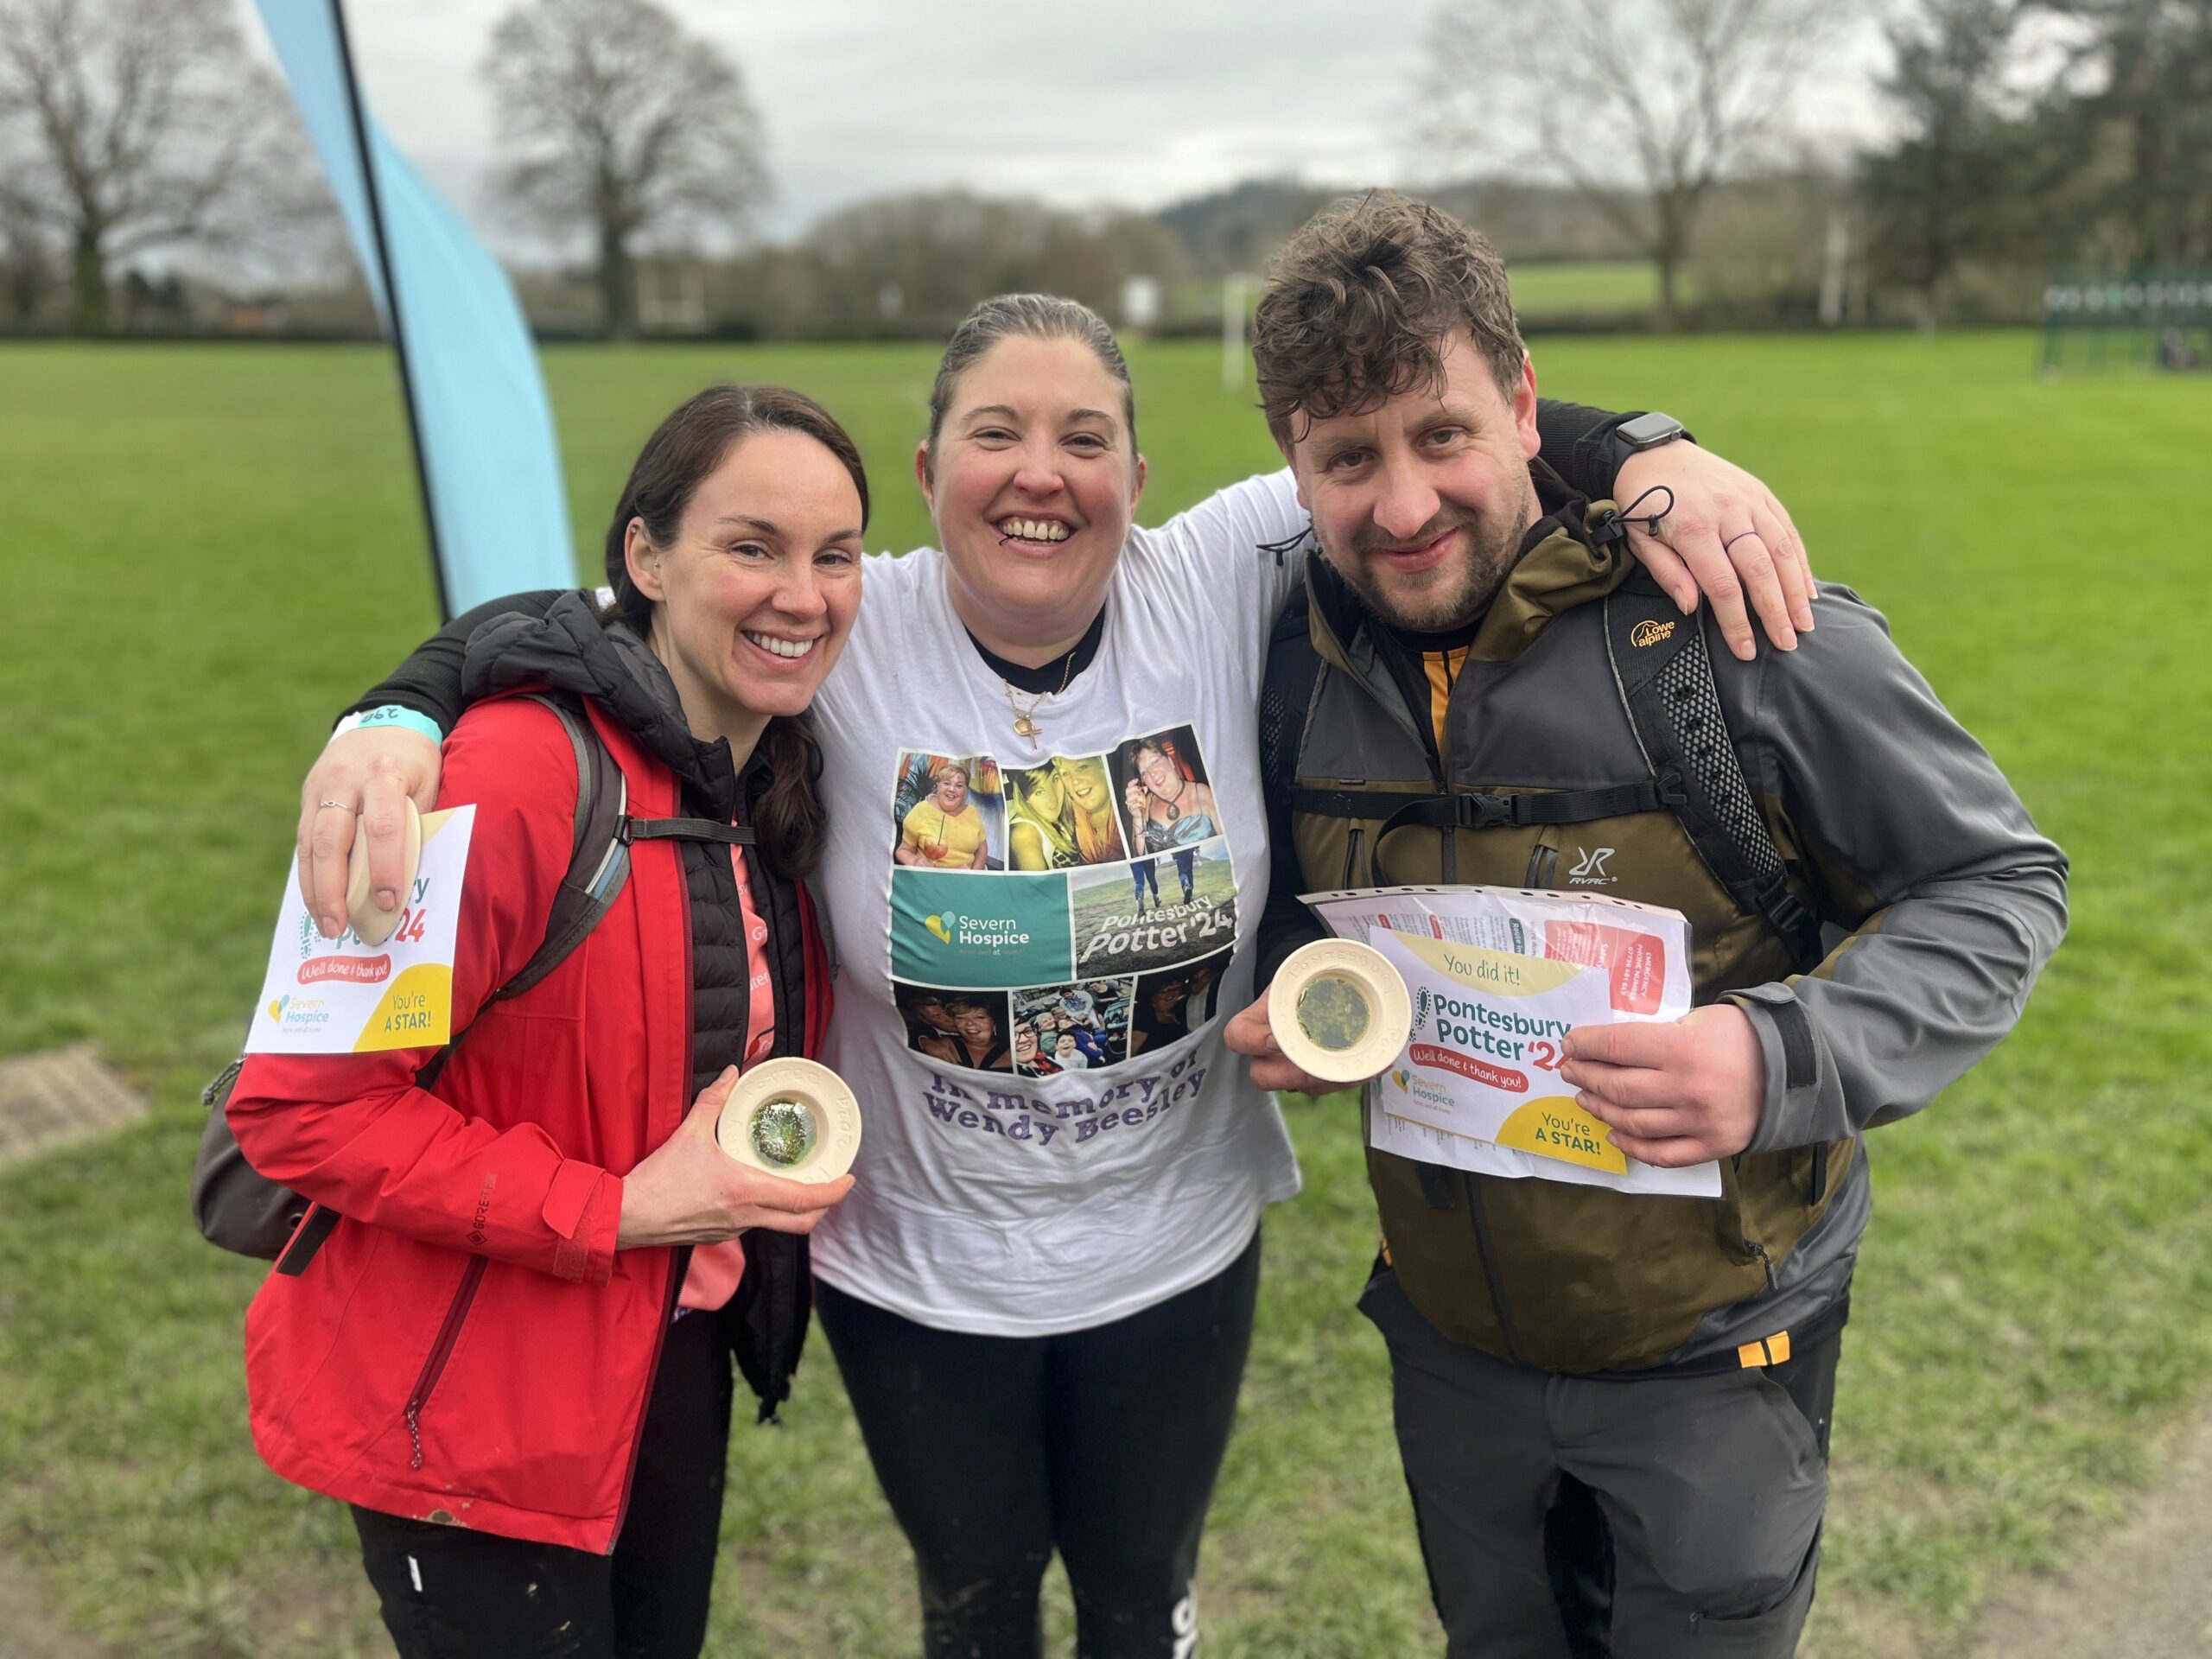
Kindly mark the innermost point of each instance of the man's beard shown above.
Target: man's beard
(1451, 594)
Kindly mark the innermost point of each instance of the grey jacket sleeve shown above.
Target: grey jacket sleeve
(1951, 899)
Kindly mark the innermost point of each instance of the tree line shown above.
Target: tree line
(2020, 135)
(2043, 132)
(2023, 133)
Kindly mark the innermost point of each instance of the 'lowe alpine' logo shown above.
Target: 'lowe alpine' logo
(1590, 871)
(1650, 631)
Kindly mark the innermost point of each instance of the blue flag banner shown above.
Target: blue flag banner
(484, 438)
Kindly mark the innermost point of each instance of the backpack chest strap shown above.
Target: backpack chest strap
(734, 834)
(1487, 809)
(1481, 810)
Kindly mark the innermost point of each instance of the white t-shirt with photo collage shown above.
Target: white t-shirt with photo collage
(1001, 1191)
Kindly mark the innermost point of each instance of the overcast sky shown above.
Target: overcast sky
(1136, 102)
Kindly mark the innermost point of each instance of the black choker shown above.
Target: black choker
(1050, 676)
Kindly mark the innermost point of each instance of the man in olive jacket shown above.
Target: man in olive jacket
(1660, 1367)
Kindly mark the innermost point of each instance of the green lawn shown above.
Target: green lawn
(206, 551)
(1584, 287)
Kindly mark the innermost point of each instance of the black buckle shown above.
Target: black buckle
(1477, 811)
(1671, 791)
(1789, 911)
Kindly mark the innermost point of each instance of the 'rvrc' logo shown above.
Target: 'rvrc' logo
(1650, 631)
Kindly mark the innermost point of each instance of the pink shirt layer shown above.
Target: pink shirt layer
(716, 1269)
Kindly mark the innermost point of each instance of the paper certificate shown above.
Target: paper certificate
(340, 996)
(1497, 978)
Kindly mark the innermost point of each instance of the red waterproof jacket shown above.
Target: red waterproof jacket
(468, 1346)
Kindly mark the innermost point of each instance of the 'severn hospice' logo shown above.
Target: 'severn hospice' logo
(298, 1012)
(978, 933)
(1650, 631)
(956, 930)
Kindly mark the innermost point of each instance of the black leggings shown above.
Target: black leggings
(1102, 1444)
(448, 1593)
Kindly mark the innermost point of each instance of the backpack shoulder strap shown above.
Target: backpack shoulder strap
(599, 858)
(1665, 678)
(599, 863)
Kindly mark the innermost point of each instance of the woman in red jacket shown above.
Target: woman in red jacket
(512, 1356)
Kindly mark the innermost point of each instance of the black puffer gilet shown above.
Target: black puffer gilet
(569, 650)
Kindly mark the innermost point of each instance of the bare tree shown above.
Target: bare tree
(1643, 106)
(130, 124)
(619, 123)
(25, 265)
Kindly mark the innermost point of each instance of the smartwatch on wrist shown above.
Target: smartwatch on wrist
(1639, 433)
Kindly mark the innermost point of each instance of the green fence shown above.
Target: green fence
(2151, 317)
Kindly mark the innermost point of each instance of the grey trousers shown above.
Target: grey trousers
(1711, 1487)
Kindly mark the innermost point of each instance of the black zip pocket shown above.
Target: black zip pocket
(440, 1350)
(1756, 1252)
(1357, 840)
(1543, 866)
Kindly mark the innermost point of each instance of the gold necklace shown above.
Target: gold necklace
(1025, 723)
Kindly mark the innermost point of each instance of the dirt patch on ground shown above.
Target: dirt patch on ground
(49, 1100)
(25, 1632)
(2139, 1590)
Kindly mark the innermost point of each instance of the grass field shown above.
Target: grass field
(205, 551)
(1584, 287)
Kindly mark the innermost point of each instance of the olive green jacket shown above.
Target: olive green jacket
(1940, 899)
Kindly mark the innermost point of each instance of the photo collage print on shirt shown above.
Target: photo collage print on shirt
(1063, 917)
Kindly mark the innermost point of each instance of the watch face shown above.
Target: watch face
(1645, 430)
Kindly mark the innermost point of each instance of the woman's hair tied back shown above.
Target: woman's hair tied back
(683, 454)
(1026, 316)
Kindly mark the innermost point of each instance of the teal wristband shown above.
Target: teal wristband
(390, 715)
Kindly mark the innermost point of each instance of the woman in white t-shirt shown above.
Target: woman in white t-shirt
(1040, 1289)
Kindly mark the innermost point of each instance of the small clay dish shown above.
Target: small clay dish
(792, 1118)
(1340, 1011)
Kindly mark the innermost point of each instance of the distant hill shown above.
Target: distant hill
(1237, 229)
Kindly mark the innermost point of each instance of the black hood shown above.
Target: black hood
(569, 649)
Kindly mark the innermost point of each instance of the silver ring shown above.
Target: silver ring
(340, 805)
(1737, 538)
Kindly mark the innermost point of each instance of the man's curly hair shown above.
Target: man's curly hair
(1360, 303)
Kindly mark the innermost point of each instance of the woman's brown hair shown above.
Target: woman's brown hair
(682, 453)
(1026, 316)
